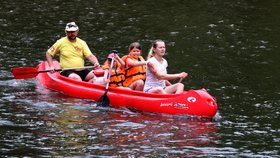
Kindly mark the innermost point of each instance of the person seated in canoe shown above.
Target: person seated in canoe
(156, 73)
(135, 68)
(72, 51)
(117, 77)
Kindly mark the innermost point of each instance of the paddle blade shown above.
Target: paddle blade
(103, 101)
(24, 72)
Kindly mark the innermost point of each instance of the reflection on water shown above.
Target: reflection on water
(126, 133)
(68, 126)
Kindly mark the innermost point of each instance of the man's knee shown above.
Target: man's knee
(75, 76)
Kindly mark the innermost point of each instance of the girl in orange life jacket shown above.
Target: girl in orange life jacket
(135, 68)
(117, 76)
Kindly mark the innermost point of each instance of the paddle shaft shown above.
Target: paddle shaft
(30, 72)
(75, 68)
(109, 75)
(104, 100)
(181, 79)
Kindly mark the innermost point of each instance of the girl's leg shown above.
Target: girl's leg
(137, 85)
(158, 90)
(176, 88)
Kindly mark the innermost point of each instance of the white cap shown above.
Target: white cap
(71, 26)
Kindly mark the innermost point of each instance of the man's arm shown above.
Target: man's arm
(49, 60)
(94, 61)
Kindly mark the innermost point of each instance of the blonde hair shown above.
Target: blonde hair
(154, 45)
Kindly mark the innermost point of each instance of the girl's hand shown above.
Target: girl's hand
(183, 75)
(117, 56)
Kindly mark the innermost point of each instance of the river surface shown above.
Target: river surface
(231, 48)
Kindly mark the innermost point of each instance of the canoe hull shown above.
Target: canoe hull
(192, 102)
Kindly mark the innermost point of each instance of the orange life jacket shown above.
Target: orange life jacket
(117, 76)
(134, 73)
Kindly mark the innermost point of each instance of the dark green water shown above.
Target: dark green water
(231, 48)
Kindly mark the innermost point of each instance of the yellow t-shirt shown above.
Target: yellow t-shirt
(71, 54)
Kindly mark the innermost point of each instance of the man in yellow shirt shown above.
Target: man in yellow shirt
(72, 51)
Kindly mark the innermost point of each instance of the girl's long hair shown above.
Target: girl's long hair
(154, 45)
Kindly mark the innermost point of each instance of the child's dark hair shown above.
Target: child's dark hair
(134, 45)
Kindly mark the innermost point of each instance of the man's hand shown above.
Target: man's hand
(52, 69)
(96, 65)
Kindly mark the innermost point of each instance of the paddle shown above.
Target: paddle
(30, 72)
(104, 100)
(181, 79)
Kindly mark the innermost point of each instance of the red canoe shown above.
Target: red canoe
(192, 102)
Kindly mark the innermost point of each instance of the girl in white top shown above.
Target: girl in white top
(156, 73)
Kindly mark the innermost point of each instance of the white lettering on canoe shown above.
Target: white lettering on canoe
(182, 106)
(175, 105)
(166, 104)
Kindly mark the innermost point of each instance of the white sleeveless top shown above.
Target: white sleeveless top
(151, 79)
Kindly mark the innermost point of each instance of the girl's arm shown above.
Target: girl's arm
(161, 76)
(130, 62)
(119, 60)
(106, 73)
